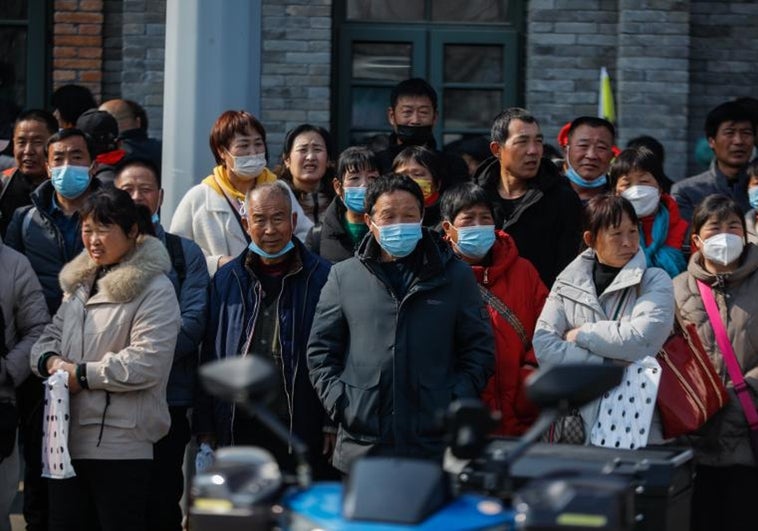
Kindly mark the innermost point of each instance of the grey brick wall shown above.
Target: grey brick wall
(567, 41)
(134, 41)
(723, 58)
(670, 61)
(296, 67)
(652, 85)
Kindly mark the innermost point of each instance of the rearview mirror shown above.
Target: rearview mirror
(572, 385)
(240, 379)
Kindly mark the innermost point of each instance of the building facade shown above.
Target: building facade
(333, 62)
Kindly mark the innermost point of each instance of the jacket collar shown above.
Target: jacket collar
(125, 280)
(42, 196)
(503, 255)
(748, 266)
(435, 253)
(576, 281)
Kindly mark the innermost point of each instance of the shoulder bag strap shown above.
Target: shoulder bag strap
(727, 352)
(236, 213)
(507, 314)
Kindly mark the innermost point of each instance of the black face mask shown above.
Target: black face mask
(414, 135)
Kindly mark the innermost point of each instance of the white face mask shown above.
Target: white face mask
(249, 166)
(644, 199)
(723, 248)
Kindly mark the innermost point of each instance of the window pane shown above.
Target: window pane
(381, 60)
(471, 109)
(471, 11)
(370, 108)
(13, 65)
(471, 63)
(394, 10)
(13, 9)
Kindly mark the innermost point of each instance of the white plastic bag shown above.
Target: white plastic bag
(626, 412)
(56, 461)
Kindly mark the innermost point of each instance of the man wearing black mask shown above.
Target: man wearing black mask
(412, 114)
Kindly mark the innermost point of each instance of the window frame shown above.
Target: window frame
(427, 60)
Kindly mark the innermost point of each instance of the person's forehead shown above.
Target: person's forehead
(31, 128)
(520, 128)
(309, 137)
(267, 203)
(246, 135)
(478, 209)
(137, 174)
(413, 101)
(736, 124)
(396, 199)
(585, 133)
(72, 143)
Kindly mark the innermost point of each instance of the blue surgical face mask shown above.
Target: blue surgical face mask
(399, 239)
(70, 181)
(354, 197)
(752, 194)
(577, 179)
(155, 219)
(475, 241)
(263, 254)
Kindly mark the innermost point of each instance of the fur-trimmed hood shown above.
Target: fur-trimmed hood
(127, 279)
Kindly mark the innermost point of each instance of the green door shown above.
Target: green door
(468, 51)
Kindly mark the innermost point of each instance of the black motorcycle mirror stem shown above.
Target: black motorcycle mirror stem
(560, 389)
(298, 447)
(249, 381)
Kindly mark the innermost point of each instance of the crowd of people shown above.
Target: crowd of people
(383, 285)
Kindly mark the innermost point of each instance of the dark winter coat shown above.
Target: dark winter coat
(33, 233)
(546, 224)
(235, 297)
(331, 241)
(385, 368)
(14, 195)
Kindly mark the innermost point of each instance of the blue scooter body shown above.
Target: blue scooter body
(320, 506)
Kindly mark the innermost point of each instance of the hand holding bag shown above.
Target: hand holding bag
(741, 387)
(690, 391)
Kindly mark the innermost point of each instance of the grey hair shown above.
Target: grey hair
(276, 187)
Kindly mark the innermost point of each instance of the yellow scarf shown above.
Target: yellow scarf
(219, 181)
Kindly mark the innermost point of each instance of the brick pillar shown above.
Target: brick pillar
(78, 44)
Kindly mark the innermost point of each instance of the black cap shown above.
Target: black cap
(102, 129)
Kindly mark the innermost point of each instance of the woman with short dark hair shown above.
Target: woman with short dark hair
(514, 295)
(608, 306)
(726, 482)
(114, 336)
(637, 176)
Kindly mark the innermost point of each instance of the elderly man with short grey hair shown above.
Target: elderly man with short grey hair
(262, 304)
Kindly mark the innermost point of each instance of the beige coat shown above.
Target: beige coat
(126, 334)
(724, 440)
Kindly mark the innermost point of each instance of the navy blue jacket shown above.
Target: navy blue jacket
(193, 301)
(235, 297)
(33, 233)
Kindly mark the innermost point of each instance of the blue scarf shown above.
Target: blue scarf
(658, 254)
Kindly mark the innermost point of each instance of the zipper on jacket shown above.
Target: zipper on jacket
(254, 318)
(290, 397)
